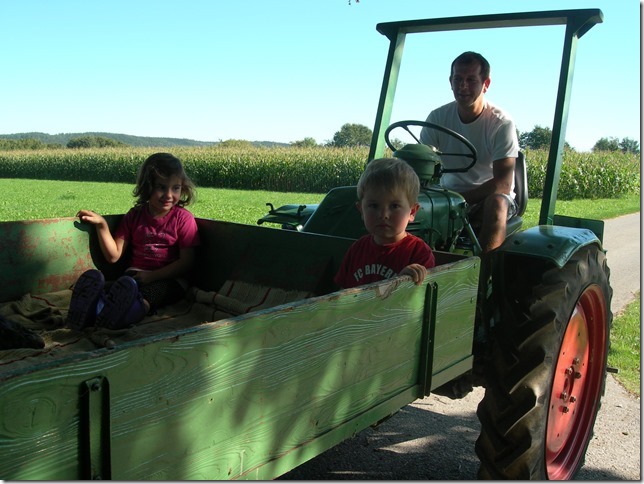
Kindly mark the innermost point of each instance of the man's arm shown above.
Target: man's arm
(501, 182)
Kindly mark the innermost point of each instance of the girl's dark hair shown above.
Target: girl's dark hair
(162, 165)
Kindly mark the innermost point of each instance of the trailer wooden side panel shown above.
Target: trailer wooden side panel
(251, 396)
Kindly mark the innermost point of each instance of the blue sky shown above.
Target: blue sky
(280, 70)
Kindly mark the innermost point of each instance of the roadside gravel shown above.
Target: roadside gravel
(433, 438)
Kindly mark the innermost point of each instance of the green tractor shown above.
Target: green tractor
(542, 329)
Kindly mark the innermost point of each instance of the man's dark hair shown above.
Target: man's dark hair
(470, 57)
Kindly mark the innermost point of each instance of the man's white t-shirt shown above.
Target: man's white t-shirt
(493, 134)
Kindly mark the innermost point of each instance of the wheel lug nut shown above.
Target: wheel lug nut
(565, 410)
(577, 375)
(573, 399)
(564, 395)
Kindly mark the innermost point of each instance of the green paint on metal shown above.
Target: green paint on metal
(94, 439)
(387, 94)
(421, 158)
(577, 24)
(294, 216)
(555, 243)
(597, 226)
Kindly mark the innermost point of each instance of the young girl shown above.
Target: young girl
(162, 236)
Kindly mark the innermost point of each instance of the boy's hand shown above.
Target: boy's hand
(416, 271)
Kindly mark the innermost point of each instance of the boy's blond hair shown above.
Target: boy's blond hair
(390, 174)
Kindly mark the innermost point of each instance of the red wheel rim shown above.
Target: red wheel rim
(576, 385)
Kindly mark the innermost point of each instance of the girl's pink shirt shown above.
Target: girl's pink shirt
(155, 243)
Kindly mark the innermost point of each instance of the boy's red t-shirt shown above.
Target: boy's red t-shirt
(367, 262)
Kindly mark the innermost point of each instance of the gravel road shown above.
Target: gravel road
(433, 438)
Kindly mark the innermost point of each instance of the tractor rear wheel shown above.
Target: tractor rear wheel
(548, 371)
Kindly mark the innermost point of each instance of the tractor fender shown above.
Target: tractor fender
(552, 242)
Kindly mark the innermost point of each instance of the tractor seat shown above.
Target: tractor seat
(520, 194)
(521, 184)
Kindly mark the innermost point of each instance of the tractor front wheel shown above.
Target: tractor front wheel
(548, 371)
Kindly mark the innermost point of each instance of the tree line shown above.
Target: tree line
(79, 142)
(540, 137)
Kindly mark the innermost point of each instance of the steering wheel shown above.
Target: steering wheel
(405, 125)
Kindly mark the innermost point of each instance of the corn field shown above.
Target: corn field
(586, 175)
(306, 170)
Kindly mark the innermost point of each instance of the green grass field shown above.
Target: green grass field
(625, 346)
(33, 199)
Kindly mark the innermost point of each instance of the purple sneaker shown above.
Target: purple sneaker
(123, 305)
(86, 295)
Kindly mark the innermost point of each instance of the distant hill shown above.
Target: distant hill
(143, 141)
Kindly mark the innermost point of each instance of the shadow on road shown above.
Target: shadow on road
(413, 444)
(431, 439)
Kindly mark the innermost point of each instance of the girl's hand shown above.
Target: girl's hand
(143, 277)
(416, 271)
(111, 248)
(90, 217)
